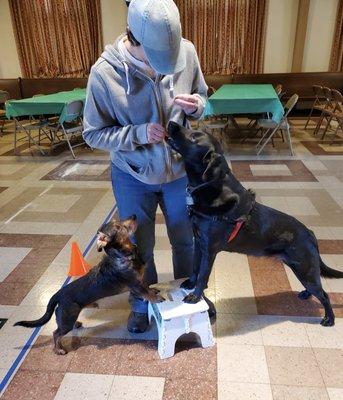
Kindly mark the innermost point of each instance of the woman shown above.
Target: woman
(149, 76)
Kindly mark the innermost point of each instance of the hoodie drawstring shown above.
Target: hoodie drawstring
(127, 75)
(171, 85)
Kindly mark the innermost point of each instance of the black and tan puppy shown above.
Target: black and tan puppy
(225, 217)
(120, 269)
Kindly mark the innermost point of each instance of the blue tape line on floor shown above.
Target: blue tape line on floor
(36, 331)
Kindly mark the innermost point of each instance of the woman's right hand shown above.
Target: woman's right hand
(155, 133)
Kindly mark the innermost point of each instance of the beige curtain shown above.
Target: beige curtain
(57, 38)
(336, 60)
(229, 34)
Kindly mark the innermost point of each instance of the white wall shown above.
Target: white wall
(9, 61)
(114, 13)
(280, 34)
(281, 25)
(319, 35)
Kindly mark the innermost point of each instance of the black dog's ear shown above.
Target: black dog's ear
(213, 169)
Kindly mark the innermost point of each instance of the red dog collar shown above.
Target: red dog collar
(236, 229)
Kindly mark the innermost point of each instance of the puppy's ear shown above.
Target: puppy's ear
(213, 169)
(102, 241)
(131, 224)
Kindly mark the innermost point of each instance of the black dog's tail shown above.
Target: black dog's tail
(328, 272)
(45, 318)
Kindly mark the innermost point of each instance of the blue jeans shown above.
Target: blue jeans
(135, 197)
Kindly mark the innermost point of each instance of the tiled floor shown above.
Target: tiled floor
(269, 343)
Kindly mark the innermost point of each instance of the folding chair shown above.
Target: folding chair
(319, 102)
(4, 96)
(214, 123)
(336, 114)
(69, 124)
(326, 109)
(271, 127)
(255, 117)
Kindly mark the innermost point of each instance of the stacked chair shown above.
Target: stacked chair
(329, 103)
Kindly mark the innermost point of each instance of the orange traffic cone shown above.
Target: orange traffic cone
(78, 266)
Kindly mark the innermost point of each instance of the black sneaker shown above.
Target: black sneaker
(137, 322)
(212, 313)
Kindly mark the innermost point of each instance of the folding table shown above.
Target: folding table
(45, 105)
(245, 98)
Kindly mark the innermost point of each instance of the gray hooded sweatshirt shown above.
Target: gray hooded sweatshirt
(122, 100)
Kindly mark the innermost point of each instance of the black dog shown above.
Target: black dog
(121, 268)
(225, 217)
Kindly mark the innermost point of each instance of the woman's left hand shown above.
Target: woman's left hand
(188, 102)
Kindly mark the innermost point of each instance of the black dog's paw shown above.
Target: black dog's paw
(304, 295)
(327, 321)
(187, 284)
(191, 298)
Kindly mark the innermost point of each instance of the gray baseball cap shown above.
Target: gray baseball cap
(156, 25)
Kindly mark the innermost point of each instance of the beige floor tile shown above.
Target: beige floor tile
(11, 345)
(3, 372)
(335, 393)
(293, 366)
(56, 228)
(331, 337)
(238, 329)
(299, 205)
(137, 387)
(242, 363)
(22, 313)
(85, 386)
(234, 290)
(244, 391)
(7, 311)
(283, 331)
(330, 362)
(40, 295)
(297, 393)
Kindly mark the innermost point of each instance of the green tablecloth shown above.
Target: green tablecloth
(243, 99)
(44, 105)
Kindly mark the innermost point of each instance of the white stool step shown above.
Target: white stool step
(174, 318)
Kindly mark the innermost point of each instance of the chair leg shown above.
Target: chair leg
(319, 124)
(263, 136)
(326, 127)
(309, 117)
(68, 141)
(289, 140)
(266, 141)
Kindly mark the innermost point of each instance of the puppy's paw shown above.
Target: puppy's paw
(191, 298)
(187, 284)
(157, 298)
(154, 290)
(327, 321)
(60, 351)
(304, 295)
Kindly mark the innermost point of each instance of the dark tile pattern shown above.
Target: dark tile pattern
(242, 171)
(24, 276)
(274, 296)
(59, 173)
(315, 149)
